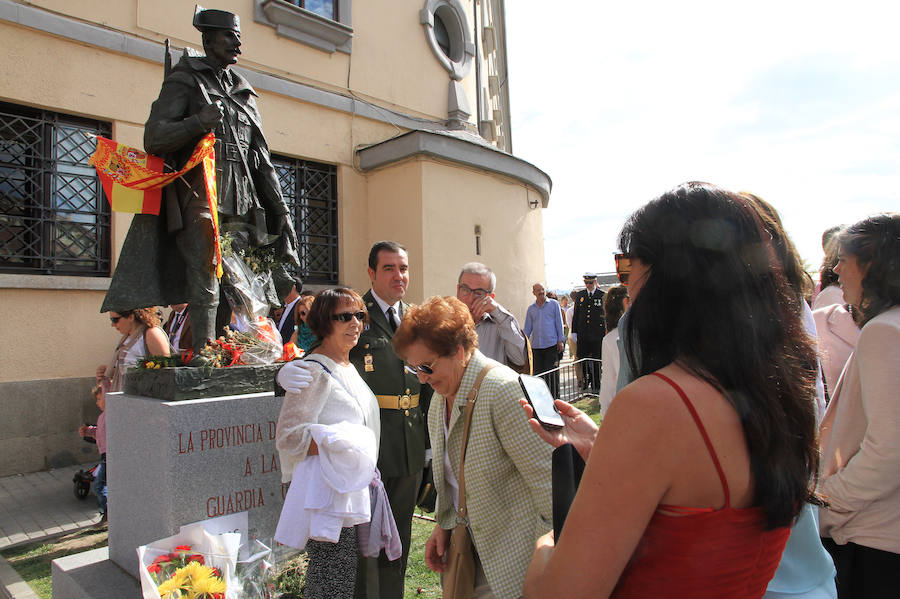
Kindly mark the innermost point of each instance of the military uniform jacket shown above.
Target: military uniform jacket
(587, 318)
(403, 435)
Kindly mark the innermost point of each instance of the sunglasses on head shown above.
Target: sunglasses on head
(348, 316)
(423, 368)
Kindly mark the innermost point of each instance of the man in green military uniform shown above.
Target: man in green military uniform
(403, 402)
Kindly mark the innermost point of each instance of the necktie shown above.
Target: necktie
(392, 320)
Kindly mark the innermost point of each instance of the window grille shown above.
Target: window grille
(54, 218)
(310, 191)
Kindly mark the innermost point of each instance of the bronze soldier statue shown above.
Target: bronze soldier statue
(170, 259)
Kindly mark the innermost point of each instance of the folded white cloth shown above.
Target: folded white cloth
(329, 491)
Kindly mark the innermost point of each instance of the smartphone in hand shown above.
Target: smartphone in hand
(541, 401)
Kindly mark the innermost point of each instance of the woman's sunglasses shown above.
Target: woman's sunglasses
(115, 319)
(348, 316)
(423, 368)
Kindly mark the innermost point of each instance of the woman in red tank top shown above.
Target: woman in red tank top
(703, 462)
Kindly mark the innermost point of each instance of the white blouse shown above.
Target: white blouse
(336, 394)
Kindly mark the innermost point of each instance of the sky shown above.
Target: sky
(795, 101)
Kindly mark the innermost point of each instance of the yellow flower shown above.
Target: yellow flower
(204, 588)
(171, 589)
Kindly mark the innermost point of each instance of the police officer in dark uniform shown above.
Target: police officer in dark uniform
(170, 259)
(589, 324)
(403, 402)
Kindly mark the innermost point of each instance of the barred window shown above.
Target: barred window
(53, 217)
(310, 191)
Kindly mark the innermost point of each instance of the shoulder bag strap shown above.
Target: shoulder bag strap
(461, 512)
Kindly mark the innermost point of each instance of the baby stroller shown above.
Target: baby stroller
(82, 482)
(83, 479)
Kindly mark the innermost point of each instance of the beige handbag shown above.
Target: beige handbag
(458, 581)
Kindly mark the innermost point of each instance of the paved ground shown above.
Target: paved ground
(42, 505)
(35, 507)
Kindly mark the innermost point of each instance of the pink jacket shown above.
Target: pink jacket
(860, 468)
(837, 335)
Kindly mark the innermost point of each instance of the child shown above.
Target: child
(98, 433)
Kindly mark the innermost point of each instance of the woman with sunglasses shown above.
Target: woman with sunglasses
(303, 336)
(860, 477)
(325, 389)
(507, 468)
(702, 463)
(141, 337)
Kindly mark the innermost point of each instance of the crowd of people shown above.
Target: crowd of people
(748, 446)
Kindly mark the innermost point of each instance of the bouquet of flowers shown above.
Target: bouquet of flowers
(184, 574)
(190, 565)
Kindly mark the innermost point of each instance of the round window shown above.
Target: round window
(448, 35)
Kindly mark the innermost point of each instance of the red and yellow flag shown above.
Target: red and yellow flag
(133, 180)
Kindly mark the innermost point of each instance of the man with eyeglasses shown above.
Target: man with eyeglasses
(402, 402)
(499, 335)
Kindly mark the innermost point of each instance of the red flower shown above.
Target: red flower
(196, 558)
(216, 572)
(153, 568)
(185, 548)
(162, 559)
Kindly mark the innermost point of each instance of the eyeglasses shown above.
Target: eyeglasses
(423, 368)
(115, 319)
(465, 291)
(348, 316)
(623, 267)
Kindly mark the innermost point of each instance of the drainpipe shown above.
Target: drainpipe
(479, 110)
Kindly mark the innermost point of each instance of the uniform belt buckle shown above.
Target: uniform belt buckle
(404, 402)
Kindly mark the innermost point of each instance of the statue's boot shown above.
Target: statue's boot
(203, 324)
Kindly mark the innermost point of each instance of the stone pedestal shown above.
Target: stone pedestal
(171, 463)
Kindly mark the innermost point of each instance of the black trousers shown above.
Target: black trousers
(864, 572)
(380, 578)
(547, 359)
(590, 347)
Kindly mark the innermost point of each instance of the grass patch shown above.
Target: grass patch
(420, 581)
(32, 562)
(591, 406)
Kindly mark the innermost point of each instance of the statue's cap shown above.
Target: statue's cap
(211, 18)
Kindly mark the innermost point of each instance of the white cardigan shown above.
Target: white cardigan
(341, 396)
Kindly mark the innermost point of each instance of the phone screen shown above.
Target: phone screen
(541, 401)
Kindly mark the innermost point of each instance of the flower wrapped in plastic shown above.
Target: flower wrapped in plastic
(256, 574)
(192, 564)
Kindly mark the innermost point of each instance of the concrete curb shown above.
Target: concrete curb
(12, 584)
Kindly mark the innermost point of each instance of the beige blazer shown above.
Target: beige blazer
(860, 440)
(507, 475)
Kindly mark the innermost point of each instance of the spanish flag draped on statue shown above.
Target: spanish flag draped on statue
(133, 180)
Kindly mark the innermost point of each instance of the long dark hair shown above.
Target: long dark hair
(785, 251)
(717, 301)
(875, 243)
(614, 306)
(827, 276)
